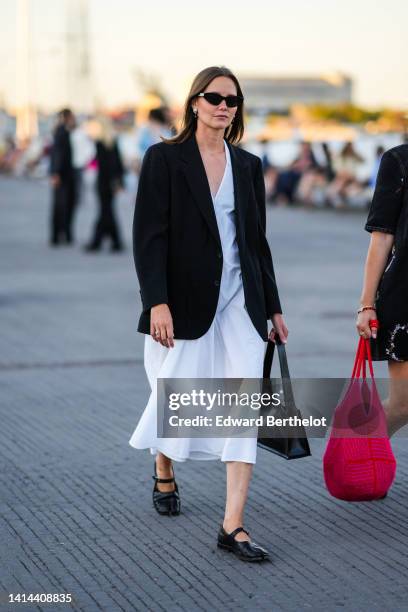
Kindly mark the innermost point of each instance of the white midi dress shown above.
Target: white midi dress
(231, 348)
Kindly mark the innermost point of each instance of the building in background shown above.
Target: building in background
(264, 95)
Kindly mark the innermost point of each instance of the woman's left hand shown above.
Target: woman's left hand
(279, 327)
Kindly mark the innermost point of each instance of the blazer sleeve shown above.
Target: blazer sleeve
(272, 301)
(387, 199)
(150, 228)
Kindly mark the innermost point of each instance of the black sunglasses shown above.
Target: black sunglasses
(215, 99)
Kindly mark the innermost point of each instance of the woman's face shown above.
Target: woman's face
(216, 117)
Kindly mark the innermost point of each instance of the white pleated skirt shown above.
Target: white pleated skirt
(231, 348)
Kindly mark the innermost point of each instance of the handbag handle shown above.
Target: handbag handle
(357, 360)
(363, 354)
(284, 368)
(283, 360)
(298, 443)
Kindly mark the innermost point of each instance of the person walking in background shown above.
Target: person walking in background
(62, 181)
(83, 152)
(207, 283)
(109, 182)
(385, 291)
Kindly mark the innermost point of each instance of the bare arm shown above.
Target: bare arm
(377, 257)
(382, 222)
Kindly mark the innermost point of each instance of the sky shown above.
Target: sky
(175, 39)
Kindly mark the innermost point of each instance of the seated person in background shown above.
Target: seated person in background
(288, 180)
(314, 181)
(345, 182)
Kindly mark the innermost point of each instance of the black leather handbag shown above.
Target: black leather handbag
(291, 447)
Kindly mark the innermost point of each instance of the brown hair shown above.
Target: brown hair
(348, 150)
(234, 132)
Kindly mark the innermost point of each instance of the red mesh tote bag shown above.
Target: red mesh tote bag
(358, 462)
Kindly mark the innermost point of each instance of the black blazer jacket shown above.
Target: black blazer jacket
(61, 153)
(176, 243)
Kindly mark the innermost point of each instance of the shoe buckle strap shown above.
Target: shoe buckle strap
(163, 480)
(238, 530)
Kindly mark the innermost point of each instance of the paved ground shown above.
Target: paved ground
(75, 499)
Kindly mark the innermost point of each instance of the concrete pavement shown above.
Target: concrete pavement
(75, 499)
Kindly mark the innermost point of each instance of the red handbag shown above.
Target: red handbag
(358, 463)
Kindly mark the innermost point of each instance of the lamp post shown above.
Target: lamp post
(26, 117)
(78, 66)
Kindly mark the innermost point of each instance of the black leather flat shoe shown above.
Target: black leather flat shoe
(166, 502)
(246, 551)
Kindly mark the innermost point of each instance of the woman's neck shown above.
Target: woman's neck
(210, 140)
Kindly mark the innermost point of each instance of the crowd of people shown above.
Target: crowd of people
(67, 153)
(315, 177)
(334, 181)
(69, 157)
(66, 182)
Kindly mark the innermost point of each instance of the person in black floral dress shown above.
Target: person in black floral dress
(385, 291)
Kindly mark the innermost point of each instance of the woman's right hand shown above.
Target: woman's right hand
(363, 324)
(161, 321)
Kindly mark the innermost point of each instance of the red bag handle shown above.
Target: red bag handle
(369, 358)
(361, 367)
(363, 353)
(359, 363)
(357, 359)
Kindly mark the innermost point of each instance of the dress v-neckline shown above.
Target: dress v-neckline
(214, 197)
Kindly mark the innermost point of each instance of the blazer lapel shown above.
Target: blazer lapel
(241, 177)
(197, 180)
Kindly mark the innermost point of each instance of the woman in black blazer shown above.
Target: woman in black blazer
(207, 282)
(109, 182)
